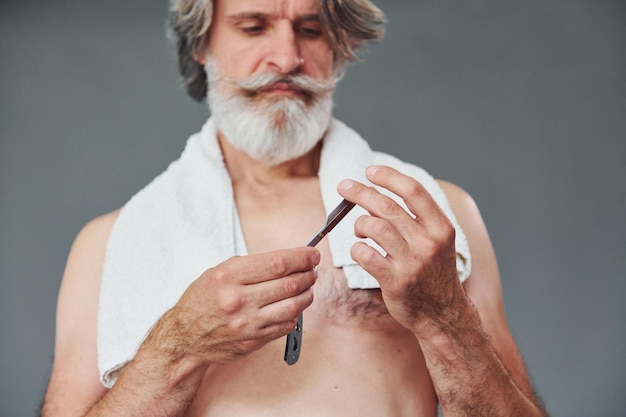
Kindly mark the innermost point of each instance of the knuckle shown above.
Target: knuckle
(309, 298)
(250, 345)
(388, 206)
(364, 254)
(284, 328)
(383, 228)
(416, 190)
(363, 192)
(358, 189)
(238, 325)
(231, 303)
(360, 223)
(449, 233)
(290, 286)
(278, 265)
(292, 309)
(221, 274)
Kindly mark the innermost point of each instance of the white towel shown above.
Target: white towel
(183, 222)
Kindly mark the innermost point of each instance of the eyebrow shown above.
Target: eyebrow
(240, 17)
(309, 18)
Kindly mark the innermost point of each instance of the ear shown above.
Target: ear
(200, 55)
(200, 58)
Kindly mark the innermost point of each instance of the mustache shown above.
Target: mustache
(308, 86)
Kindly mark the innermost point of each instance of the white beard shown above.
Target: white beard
(271, 130)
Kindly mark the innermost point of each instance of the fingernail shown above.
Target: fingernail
(345, 185)
(315, 257)
(371, 170)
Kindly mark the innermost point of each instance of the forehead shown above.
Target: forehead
(279, 9)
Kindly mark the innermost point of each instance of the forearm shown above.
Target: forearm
(141, 395)
(161, 380)
(468, 376)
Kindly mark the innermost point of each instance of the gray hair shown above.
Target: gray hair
(346, 24)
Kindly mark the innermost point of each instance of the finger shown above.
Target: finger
(373, 201)
(268, 266)
(286, 310)
(384, 233)
(417, 199)
(276, 330)
(272, 291)
(371, 261)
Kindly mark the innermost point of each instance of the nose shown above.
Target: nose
(285, 52)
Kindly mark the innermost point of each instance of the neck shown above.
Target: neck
(243, 168)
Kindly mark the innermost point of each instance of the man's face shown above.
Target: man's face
(251, 37)
(271, 77)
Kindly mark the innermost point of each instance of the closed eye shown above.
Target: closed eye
(250, 23)
(310, 32)
(253, 30)
(309, 26)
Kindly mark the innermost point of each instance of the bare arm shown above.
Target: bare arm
(228, 312)
(488, 335)
(484, 290)
(74, 384)
(476, 368)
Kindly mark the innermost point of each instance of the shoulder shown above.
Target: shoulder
(460, 200)
(89, 247)
(97, 231)
(83, 270)
(468, 215)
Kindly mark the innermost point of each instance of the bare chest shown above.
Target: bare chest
(282, 218)
(277, 221)
(355, 356)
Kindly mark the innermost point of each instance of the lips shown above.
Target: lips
(283, 88)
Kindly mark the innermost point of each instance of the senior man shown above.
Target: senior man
(179, 302)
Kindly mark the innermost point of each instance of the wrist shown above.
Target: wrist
(455, 339)
(156, 381)
(167, 355)
(446, 320)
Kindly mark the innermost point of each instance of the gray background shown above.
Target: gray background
(521, 103)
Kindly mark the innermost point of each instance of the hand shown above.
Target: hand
(238, 306)
(417, 275)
